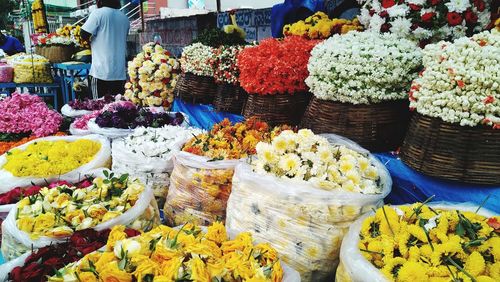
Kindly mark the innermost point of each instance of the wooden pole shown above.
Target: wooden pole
(142, 15)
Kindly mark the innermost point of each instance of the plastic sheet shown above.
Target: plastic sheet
(199, 190)
(101, 160)
(304, 223)
(354, 267)
(142, 216)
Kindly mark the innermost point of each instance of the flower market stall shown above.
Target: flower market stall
(349, 150)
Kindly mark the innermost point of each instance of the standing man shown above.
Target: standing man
(109, 28)
(10, 45)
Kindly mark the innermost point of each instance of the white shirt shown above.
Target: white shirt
(109, 28)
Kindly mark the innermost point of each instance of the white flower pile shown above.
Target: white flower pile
(195, 59)
(153, 76)
(428, 20)
(363, 68)
(308, 157)
(461, 81)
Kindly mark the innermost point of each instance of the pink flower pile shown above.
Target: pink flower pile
(23, 113)
(81, 122)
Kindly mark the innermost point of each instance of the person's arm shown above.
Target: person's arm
(91, 26)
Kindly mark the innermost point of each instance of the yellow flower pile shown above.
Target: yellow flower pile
(165, 254)
(61, 210)
(418, 243)
(30, 68)
(49, 158)
(319, 26)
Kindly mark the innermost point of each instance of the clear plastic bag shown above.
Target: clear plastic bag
(354, 267)
(198, 190)
(304, 223)
(101, 160)
(144, 215)
(70, 112)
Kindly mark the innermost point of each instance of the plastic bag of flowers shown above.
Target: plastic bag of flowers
(52, 215)
(201, 181)
(78, 108)
(36, 265)
(301, 193)
(188, 253)
(153, 75)
(360, 82)
(53, 158)
(120, 120)
(419, 242)
(30, 68)
(147, 154)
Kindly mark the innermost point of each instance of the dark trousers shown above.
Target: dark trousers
(101, 88)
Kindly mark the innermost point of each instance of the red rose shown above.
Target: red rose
(427, 17)
(53, 262)
(132, 232)
(16, 274)
(470, 17)
(383, 14)
(414, 7)
(385, 27)
(479, 4)
(32, 271)
(388, 3)
(454, 18)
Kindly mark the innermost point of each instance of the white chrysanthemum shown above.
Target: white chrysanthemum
(416, 2)
(401, 27)
(458, 6)
(376, 22)
(398, 11)
(289, 163)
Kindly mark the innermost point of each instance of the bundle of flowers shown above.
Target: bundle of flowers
(53, 158)
(304, 156)
(319, 26)
(275, 66)
(30, 68)
(80, 125)
(426, 21)
(195, 59)
(225, 65)
(44, 262)
(126, 117)
(73, 32)
(215, 37)
(301, 193)
(78, 108)
(189, 254)
(153, 76)
(49, 39)
(7, 145)
(26, 113)
(461, 81)
(147, 155)
(54, 214)
(201, 180)
(423, 243)
(363, 68)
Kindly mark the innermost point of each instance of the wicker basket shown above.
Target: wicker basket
(377, 127)
(195, 89)
(277, 109)
(230, 98)
(56, 53)
(451, 151)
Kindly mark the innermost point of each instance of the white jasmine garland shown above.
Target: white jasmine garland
(461, 81)
(308, 157)
(363, 68)
(195, 59)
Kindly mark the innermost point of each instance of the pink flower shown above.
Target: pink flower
(81, 122)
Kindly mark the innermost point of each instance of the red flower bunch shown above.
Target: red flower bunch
(16, 194)
(276, 66)
(47, 260)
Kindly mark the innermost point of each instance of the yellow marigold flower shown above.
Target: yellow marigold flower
(392, 266)
(439, 271)
(112, 273)
(216, 233)
(145, 266)
(484, 279)
(391, 223)
(414, 254)
(198, 270)
(494, 271)
(417, 232)
(475, 264)
(241, 242)
(412, 272)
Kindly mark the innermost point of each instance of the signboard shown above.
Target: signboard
(196, 4)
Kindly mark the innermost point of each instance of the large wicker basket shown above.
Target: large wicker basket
(56, 53)
(195, 89)
(230, 98)
(451, 151)
(377, 127)
(277, 109)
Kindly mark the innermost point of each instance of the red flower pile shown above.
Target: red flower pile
(16, 194)
(47, 260)
(276, 66)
